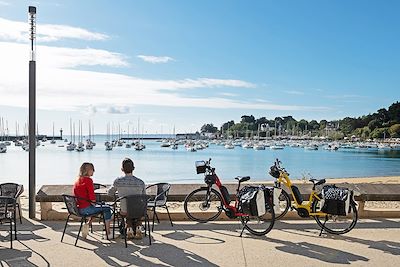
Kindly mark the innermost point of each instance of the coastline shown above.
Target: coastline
(177, 207)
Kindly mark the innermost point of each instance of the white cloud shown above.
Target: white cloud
(228, 94)
(59, 88)
(11, 30)
(154, 59)
(4, 3)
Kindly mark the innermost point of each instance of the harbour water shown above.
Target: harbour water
(55, 165)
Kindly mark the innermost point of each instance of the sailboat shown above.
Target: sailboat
(3, 147)
(174, 144)
(139, 146)
(108, 145)
(71, 145)
(89, 143)
(81, 146)
(128, 145)
(52, 140)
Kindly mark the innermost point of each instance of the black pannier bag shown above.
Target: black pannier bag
(252, 201)
(335, 200)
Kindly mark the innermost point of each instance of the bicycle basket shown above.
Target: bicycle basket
(274, 172)
(200, 166)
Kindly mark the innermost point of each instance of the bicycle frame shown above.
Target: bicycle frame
(227, 206)
(284, 178)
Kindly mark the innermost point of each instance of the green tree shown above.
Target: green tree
(379, 133)
(394, 130)
(208, 128)
(375, 123)
(303, 124)
(227, 125)
(394, 112)
(322, 124)
(313, 125)
(248, 119)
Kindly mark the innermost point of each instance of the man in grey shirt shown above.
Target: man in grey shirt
(125, 186)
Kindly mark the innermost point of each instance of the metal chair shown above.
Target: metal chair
(159, 200)
(7, 215)
(136, 209)
(12, 190)
(71, 203)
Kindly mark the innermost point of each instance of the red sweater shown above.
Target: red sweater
(83, 187)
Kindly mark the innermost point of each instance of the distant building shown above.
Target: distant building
(188, 136)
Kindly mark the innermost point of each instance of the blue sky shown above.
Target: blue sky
(187, 63)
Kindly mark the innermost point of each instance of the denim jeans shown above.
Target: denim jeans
(96, 209)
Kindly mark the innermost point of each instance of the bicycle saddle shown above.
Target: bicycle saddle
(317, 182)
(242, 178)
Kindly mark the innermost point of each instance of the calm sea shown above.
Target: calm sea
(55, 165)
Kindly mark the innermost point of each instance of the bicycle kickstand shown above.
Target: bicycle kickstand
(323, 225)
(241, 233)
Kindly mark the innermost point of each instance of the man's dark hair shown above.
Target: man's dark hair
(127, 165)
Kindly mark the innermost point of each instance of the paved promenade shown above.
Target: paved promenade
(290, 243)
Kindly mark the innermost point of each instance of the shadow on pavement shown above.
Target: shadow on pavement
(322, 253)
(138, 252)
(16, 257)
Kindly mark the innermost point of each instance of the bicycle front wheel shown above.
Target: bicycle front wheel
(203, 205)
(260, 225)
(284, 205)
(336, 224)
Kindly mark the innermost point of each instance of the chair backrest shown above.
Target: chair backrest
(98, 186)
(136, 206)
(162, 193)
(5, 207)
(70, 202)
(10, 190)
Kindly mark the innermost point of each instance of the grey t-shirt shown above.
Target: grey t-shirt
(125, 186)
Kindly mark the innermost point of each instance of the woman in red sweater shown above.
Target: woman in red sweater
(83, 188)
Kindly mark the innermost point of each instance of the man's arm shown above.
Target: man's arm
(112, 190)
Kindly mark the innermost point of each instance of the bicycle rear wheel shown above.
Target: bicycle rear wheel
(284, 205)
(203, 205)
(336, 224)
(260, 225)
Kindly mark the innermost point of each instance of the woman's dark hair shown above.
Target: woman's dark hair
(127, 165)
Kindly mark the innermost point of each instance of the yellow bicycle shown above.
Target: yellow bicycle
(334, 224)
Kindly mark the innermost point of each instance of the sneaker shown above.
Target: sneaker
(85, 230)
(139, 234)
(129, 234)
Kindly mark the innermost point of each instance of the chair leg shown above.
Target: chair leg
(15, 224)
(169, 216)
(19, 212)
(126, 233)
(80, 228)
(65, 227)
(148, 222)
(11, 234)
(105, 228)
(158, 220)
(154, 215)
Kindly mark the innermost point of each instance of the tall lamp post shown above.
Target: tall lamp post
(32, 113)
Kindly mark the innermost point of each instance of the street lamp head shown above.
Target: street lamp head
(32, 29)
(32, 10)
